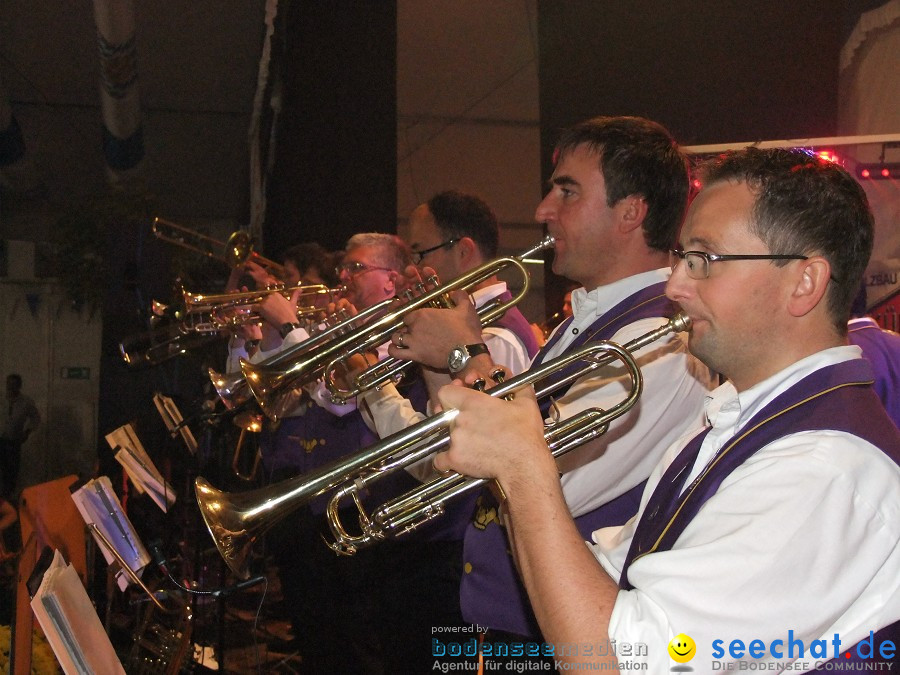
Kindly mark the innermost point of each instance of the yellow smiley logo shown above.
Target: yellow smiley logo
(682, 648)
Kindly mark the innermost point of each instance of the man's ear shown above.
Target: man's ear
(632, 211)
(810, 285)
(466, 249)
(395, 282)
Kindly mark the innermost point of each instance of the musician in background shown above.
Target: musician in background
(882, 348)
(20, 419)
(452, 233)
(617, 197)
(309, 263)
(329, 597)
(776, 525)
(305, 263)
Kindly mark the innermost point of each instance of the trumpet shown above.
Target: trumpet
(248, 423)
(236, 521)
(161, 343)
(237, 250)
(211, 313)
(232, 388)
(267, 381)
(318, 294)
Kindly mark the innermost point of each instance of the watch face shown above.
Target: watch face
(456, 359)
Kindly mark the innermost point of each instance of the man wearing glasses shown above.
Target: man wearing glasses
(772, 536)
(330, 599)
(454, 233)
(616, 199)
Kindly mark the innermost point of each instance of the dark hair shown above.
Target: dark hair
(637, 157)
(458, 215)
(806, 205)
(16, 379)
(860, 302)
(312, 254)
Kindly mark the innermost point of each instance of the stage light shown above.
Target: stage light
(879, 171)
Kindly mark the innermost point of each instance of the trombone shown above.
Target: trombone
(236, 521)
(237, 250)
(268, 380)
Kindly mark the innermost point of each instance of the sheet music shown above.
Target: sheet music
(143, 473)
(70, 622)
(98, 504)
(171, 416)
(146, 478)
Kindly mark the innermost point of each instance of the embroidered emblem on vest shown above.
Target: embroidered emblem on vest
(308, 444)
(485, 514)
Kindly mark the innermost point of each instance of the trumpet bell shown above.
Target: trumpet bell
(238, 248)
(225, 516)
(262, 381)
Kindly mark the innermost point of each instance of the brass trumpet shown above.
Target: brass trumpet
(268, 381)
(211, 313)
(161, 343)
(232, 388)
(236, 521)
(237, 250)
(317, 294)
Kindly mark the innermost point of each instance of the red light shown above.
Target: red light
(886, 172)
(697, 184)
(827, 155)
(864, 173)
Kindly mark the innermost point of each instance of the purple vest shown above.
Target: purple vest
(882, 349)
(308, 441)
(491, 593)
(515, 322)
(838, 397)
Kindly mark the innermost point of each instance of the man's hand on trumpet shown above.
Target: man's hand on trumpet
(429, 334)
(518, 455)
(277, 311)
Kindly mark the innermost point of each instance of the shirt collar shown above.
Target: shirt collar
(488, 293)
(725, 406)
(594, 303)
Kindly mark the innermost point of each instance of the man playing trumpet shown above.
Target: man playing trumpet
(616, 200)
(772, 536)
(327, 596)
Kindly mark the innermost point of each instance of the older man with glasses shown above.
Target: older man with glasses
(453, 233)
(330, 599)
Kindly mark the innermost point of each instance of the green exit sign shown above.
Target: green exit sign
(75, 373)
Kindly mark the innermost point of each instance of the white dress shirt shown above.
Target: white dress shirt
(802, 537)
(389, 412)
(675, 385)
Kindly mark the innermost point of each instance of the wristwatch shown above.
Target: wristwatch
(286, 328)
(459, 356)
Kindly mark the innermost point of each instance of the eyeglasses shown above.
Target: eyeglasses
(419, 255)
(355, 267)
(696, 263)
